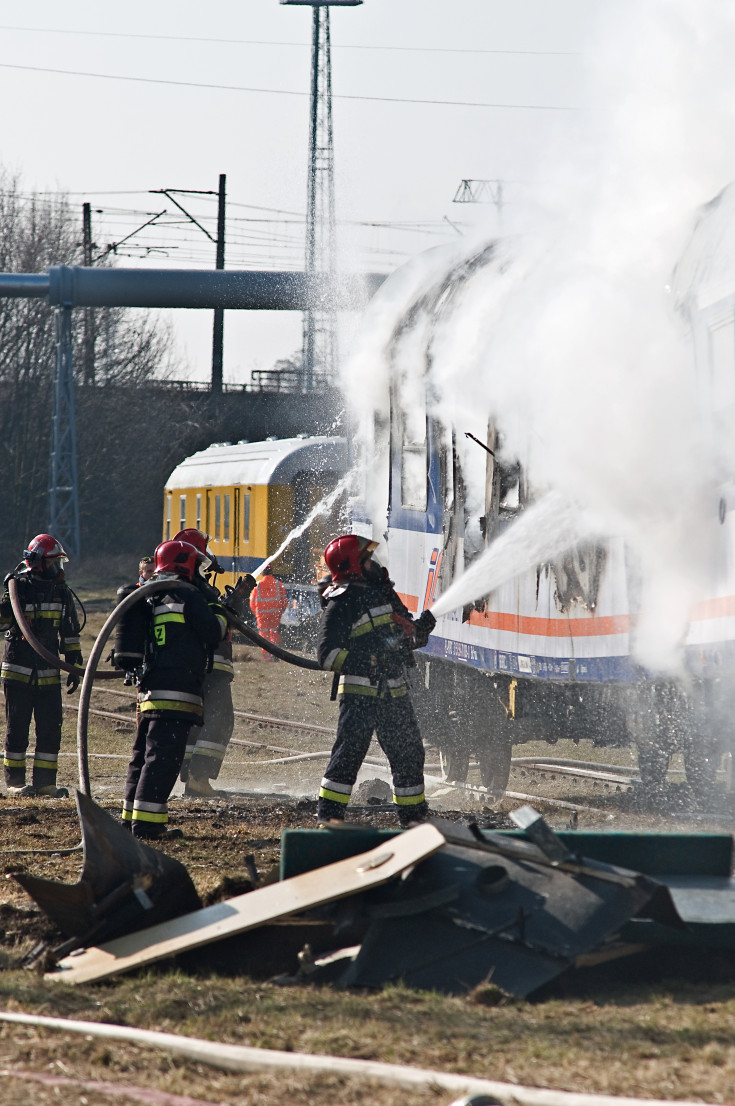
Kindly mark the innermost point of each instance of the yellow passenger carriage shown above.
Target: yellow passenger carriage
(250, 496)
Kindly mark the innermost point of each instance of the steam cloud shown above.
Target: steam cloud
(570, 341)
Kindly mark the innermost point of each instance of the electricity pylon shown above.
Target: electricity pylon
(319, 350)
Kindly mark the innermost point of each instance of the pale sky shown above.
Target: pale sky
(109, 141)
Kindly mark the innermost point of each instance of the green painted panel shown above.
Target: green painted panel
(701, 854)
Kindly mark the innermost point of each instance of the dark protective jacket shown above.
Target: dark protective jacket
(131, 632)
(185, 631)
(222, 656)
(48, 605)
(362, 639)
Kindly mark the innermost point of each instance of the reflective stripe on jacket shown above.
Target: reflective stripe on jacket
(268, 601)
(48, 606)
(360, 642)
(185, 631)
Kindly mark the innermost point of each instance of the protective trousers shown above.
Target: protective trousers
(394, 723)
(206, 745)
(157, 756)
(23, 702)
(270, 633)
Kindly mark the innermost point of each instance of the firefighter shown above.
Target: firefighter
(32, 688)
(206, 745)
(184, 632)
(268, 602)
(366, 637)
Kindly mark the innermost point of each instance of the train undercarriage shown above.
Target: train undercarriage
(471, 714)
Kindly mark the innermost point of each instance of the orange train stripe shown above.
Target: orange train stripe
(552, 627)
(592, 626)
(714, 608)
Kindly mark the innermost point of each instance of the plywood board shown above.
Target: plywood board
(236, 915)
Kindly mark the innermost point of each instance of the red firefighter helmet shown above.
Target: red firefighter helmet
(200, 541)
(345, 555)
(178, 557)
(44, 547)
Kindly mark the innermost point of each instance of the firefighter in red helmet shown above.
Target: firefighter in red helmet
(32, 687)
(206, 744)
(183, 633)
(366, 637)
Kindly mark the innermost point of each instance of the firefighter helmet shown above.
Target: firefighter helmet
(345, 556)
(200, 540)
(42, 548)
(178, 557)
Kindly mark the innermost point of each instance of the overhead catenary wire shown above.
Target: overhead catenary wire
(283, 91)
(300, 45)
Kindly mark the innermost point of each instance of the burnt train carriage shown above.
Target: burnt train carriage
(548, 654)
(249, 497)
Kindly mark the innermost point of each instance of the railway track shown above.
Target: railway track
(608, 777)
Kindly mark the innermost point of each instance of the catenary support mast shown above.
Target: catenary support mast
(319, 351)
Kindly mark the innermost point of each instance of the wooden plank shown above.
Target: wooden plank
(236, 915)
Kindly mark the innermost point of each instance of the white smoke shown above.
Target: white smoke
(575, 349)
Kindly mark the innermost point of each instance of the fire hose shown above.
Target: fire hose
(95, 656)
(52, 658)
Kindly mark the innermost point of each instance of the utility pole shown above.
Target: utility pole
(89, 332)
(319, 350)
(219, 315)
(218, 331)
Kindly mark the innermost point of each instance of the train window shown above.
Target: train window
(199, 512)
(413, 458)
(226, 534)
(169, 497)
(722, 363)
(217, 516)
(182, 512)
(246, 516)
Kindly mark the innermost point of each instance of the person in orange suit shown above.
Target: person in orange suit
(268, 601)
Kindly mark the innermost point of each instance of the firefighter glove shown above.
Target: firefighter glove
(236, 599)
(422, 627)
(72, 683)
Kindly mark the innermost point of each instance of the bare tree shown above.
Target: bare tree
(37, 232)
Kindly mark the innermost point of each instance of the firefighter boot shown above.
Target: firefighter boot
(51, 791)
(23, 791)
(327, 810)
(409, 815)
(199, 787)
(198, 784)
(151, 833)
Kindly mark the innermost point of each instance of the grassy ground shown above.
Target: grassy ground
(646, 1027)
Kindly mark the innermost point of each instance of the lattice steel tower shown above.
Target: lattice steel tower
(319, 353)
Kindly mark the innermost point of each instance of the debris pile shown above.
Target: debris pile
(442, 906)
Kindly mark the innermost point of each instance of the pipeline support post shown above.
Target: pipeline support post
(219, 315)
